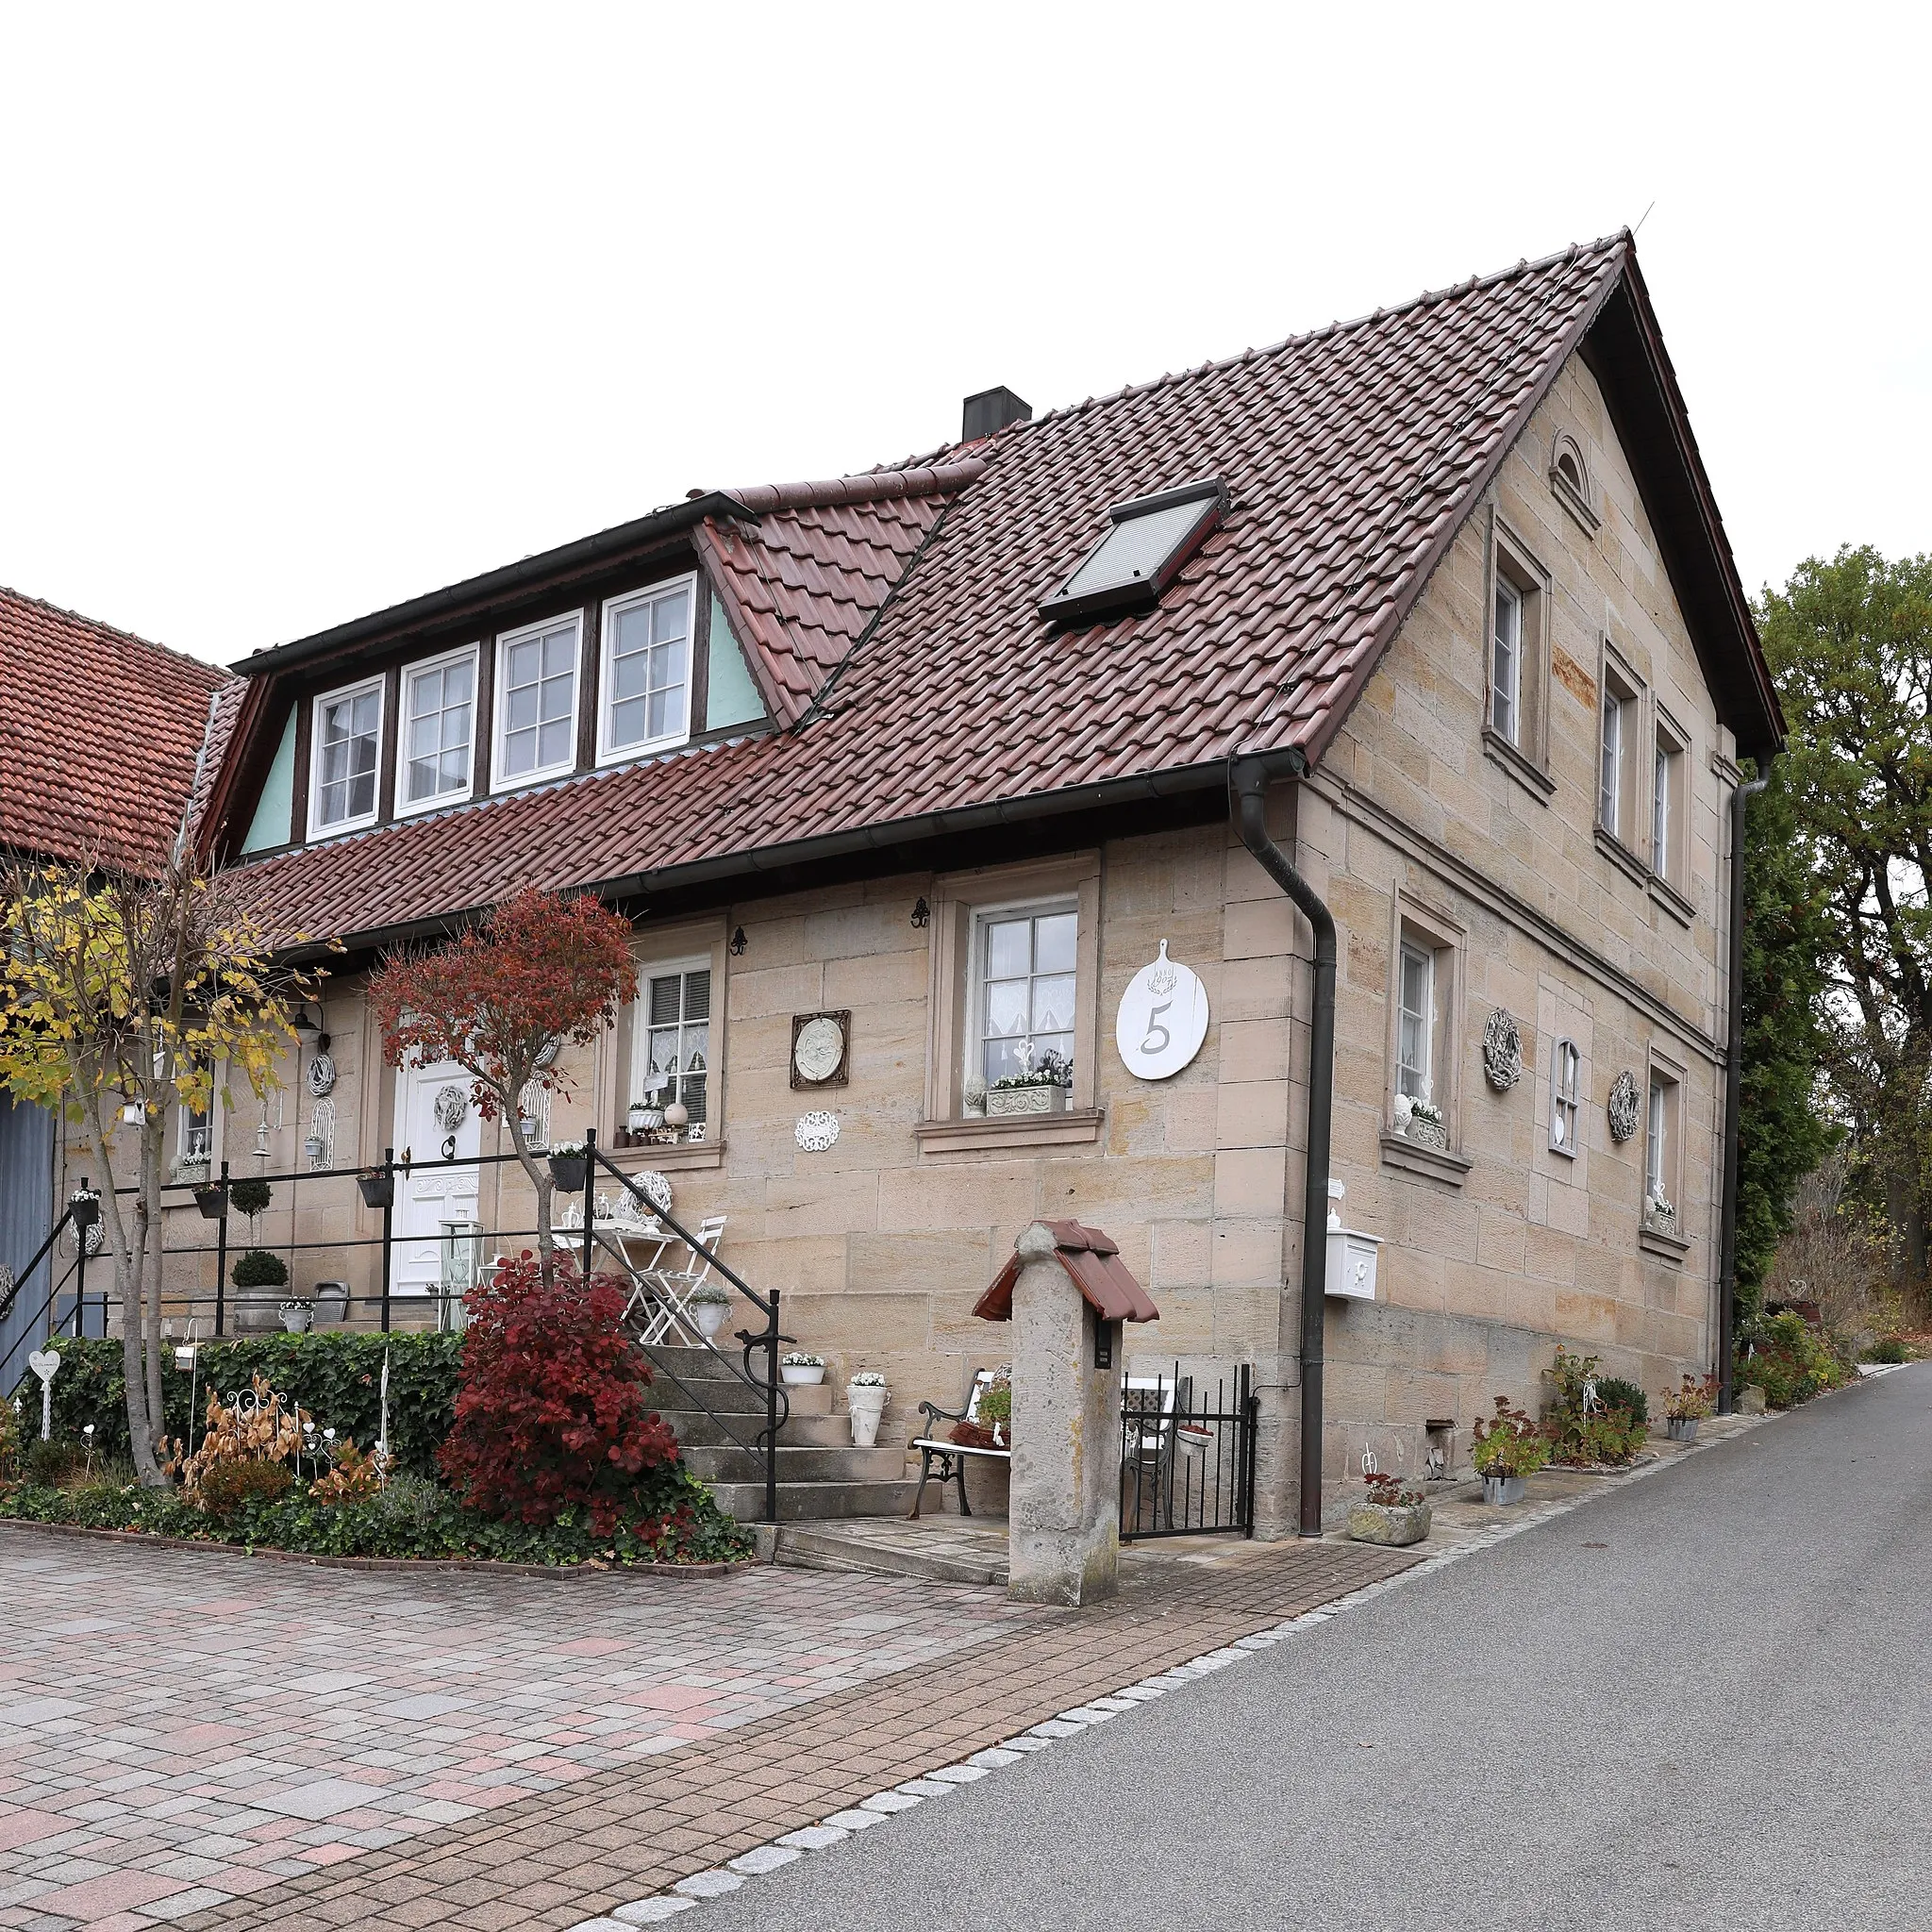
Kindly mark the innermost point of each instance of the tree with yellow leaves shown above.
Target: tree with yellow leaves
(121, 992)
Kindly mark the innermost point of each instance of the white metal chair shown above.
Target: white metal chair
(1147, 1441)
(667, 1291)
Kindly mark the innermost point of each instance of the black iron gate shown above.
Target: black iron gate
(1187, 1460)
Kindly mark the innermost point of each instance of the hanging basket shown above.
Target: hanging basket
(213, 1201)
(569, 1171)
(378, 1189)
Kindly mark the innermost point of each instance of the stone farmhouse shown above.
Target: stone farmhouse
(1051, 741)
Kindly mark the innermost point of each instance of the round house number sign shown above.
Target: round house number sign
(1162, 1019)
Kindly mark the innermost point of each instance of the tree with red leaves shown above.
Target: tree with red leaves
(500, 1000)
(551, 1405)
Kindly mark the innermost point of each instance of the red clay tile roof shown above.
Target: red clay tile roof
(1092, 1259)
(99, 734)
(1352, 456)
(802, 583)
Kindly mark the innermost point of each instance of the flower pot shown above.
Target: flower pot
(1503, 1489)
(1037, 1099)
(1394, 1526)
(1193, 1441)
(378, 1189)
(296, 1320)
(213, 1201)
(85, 1211)
(709, 1317)
(867, 1403)
(569, 1171)
(1426, 1133)
(1681, 1428)
(797, 1376)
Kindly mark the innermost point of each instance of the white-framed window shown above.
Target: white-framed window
(673, 1055)
(345, 757)
(1613, 804)
(1668, 816)
(1566, 1066)
(438, 760)
(646, 674)
(1415, 1022)
(197, 1130)
(1505, 661)
(1657, 1146)
(1023, 981)
(536, 701)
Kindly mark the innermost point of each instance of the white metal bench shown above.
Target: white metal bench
(951, 1457)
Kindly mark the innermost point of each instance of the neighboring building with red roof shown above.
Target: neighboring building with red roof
(101, 737)
(942, 755)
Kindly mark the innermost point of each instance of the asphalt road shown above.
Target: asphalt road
(1720, 1719)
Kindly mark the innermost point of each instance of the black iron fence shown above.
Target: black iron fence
(1186, 1459)
(640, 1240)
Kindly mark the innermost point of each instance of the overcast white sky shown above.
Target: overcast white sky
(303, 311)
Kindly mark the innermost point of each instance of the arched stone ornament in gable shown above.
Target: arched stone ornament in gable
(1162, 1019)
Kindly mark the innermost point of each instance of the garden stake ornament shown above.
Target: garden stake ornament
(46, 1363)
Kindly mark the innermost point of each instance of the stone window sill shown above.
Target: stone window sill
(1077, 1127)
(1579, 506)
(1432, 1163)
(1620, 854)
(681, 1160)
(1654, 1241)
(1524, 770)
(1673, 901)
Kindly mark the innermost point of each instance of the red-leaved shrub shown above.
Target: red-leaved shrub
(551, 1411)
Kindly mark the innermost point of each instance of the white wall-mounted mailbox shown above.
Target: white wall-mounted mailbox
(1352, 1254)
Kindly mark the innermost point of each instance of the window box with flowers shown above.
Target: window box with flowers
(1040, 1086)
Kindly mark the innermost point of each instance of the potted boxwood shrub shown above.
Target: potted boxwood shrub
(1389, 1513)
(250, 1198)
(569, 1166)
(1509, 1448)
(801, 1371)
(1685, 1407)
(709, 1304)
(257, 1268)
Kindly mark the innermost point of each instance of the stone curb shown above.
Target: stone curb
(550, 1572)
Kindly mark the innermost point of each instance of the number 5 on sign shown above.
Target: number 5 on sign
(1162, 1019)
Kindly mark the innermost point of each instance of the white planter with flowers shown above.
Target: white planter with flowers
(866, 1396)
(709, 1306)
(801, 1370)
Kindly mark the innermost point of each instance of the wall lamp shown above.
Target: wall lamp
(922, 912)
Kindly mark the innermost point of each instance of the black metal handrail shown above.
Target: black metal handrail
(11, 1376)
(777, 1404)
(21, 1279)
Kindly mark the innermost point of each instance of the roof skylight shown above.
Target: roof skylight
(1151, 538)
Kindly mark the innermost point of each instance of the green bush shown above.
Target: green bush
(257, 1268)
(335, 1377)
(1790, 1361)
(240, 1480)
(1888, 1348)
(1614, 1392)
(1613, 1431)
(250, 1198)
(412, 1517)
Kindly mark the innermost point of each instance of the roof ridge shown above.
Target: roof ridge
(221, 671)
(1603, 245)
(870, 486)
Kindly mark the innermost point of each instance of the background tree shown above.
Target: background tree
(1783, 1132)
(121, 994)
(1849, 643)
(499, 999)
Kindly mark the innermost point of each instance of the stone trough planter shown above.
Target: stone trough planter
(1041, 1098)
(1393, 1525)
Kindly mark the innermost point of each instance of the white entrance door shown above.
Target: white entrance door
(436, 1205)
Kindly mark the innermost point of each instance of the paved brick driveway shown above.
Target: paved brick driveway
(215, 1742)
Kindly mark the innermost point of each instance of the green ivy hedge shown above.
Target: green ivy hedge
(337, 1379)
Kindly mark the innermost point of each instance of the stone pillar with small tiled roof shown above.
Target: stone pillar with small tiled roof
(1067, 1294)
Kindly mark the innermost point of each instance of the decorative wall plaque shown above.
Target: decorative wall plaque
(821, 1044)
(816, 1130)
(1502, 1051)
(321, 1075)
(1162, 1019)
(1622, 1107)
(654, 1188)
(452, 1108)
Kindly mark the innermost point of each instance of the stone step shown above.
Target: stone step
(811, 1502)
(696, 1429)
(727, 1396)
(945, 1555)
(729, 1463)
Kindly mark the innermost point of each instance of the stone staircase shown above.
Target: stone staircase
(821, 1475)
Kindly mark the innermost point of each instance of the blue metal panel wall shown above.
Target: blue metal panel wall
(27, 1195)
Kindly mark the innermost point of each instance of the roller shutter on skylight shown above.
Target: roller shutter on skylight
(1151, 538)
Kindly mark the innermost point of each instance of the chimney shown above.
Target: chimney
(991, 410)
